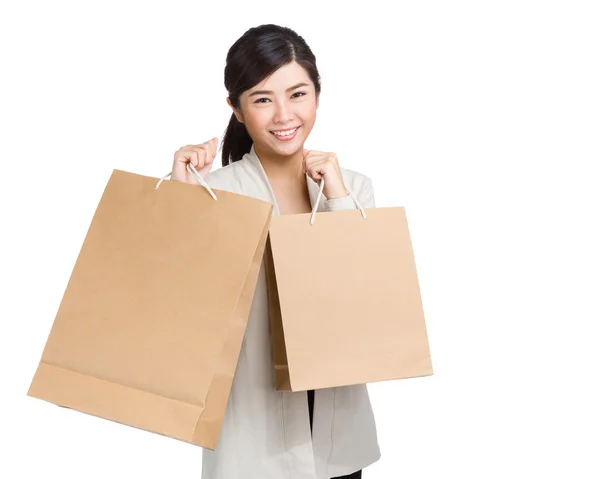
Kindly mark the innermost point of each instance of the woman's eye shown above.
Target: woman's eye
(299, 93)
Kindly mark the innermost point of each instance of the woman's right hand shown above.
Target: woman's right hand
(200, 156)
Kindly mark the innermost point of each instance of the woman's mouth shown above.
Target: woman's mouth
(285, 135)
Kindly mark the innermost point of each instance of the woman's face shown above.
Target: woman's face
(280, 112)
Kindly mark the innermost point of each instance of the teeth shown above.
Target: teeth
(285, 133)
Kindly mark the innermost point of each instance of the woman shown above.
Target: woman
(273, 89)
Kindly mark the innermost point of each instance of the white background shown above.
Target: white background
(482, 118)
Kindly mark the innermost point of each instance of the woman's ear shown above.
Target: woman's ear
(238, 114)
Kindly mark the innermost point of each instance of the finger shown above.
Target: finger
(194, 158)
(305, 153)
(179, 169)
(215, 141)
(316, 171)
(211, 148)
(316, 177)
(183, 154)
(311, 159)
(204, 155)
(214, 147)
(326, 165)
(315, 157)
(321, 167)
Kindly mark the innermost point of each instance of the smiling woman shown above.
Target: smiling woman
(273, 84)
(281, 112)
(273, 87)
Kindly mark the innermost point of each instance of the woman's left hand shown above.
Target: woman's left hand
(320, 164)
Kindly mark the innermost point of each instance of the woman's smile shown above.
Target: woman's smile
(285, 135)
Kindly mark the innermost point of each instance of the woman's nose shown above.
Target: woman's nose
(283, 112)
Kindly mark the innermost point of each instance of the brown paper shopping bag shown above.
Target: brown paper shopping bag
(151, 324)
(345, 305)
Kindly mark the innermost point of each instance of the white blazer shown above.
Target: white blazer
(266, 434)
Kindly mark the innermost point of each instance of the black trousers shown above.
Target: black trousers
(311, 408)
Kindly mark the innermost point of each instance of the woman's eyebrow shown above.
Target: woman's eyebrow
(268, 92)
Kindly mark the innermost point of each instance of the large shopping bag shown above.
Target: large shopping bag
(345, 304)
(151, 324)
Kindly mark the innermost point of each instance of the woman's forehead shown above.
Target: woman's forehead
(283, 79)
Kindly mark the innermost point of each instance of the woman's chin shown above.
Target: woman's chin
(287, 148)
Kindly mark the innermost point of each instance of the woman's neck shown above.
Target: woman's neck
(282, 169)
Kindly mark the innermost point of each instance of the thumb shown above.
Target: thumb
(304, 153)
(216, 143)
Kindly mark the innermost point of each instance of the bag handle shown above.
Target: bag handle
(196, 176)
(321, 186)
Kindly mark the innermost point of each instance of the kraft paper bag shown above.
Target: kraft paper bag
(151, 324)
(345, 305)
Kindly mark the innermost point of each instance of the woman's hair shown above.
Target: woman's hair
(253, 57)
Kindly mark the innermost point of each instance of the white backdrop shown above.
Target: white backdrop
(481, 118)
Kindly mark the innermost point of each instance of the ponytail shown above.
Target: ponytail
(236, 142)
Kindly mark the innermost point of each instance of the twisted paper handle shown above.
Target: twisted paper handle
(196, 176)
(321, 186)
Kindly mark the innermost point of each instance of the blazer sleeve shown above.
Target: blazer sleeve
(364, 195)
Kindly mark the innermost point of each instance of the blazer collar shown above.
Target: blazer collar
(313, 189)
